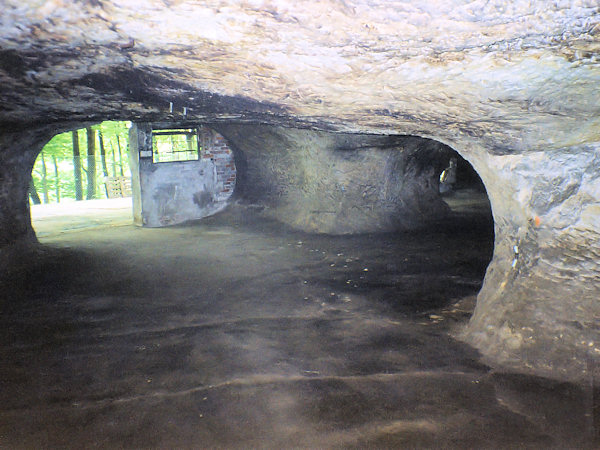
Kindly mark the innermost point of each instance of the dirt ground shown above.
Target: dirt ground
(235, 332)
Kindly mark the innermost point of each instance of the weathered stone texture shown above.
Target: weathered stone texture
(539, 307)
(519, 76)
(340, 183)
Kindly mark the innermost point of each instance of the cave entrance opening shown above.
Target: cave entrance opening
(81, 179)
(89, 178)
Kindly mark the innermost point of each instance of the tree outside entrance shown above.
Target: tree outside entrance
(89, 157)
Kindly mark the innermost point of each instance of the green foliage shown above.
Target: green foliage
(61, 147)
(175, 145)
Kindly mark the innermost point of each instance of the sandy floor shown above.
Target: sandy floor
(59, 218)
(236, 333)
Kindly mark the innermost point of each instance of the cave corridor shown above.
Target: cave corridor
(386, 239)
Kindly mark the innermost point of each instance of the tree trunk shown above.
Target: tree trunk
(103, 158)
(120, 160)
(44, 180)
(91, 163)
(57, 179)
(189, 139)
(77, 166)
(35, 198)
(114, 164)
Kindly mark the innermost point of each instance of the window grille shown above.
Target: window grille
(175, 145)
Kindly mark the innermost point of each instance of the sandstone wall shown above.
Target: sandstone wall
(339, 183)
(538, 310)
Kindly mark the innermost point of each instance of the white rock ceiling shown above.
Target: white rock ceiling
(518, 76)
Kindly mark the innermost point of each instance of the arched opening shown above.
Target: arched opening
(81, 179)
(470, 222)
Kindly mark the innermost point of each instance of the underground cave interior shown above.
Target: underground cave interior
(181, 149)
(239, 330)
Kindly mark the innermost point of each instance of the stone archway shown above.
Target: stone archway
(19, 150)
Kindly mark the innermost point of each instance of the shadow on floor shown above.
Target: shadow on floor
(238, 333)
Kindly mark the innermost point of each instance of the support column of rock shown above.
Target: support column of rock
(339, 183)
(18, 151)
(539, 308)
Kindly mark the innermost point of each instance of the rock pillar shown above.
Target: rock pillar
(539, 308)
(18, 151)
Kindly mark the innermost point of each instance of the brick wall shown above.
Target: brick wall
(216, 149)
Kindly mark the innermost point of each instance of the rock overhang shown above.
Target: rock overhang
(514, 78)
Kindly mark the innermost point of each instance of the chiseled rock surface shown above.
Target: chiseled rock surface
(519, 76)
(511, 86)
(339, 183)
(540, 295)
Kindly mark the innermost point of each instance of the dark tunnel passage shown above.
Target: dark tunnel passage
(379, 189)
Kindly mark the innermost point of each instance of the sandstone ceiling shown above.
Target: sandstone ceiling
(516, 76)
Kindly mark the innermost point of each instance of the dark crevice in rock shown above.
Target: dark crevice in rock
(153, 89)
